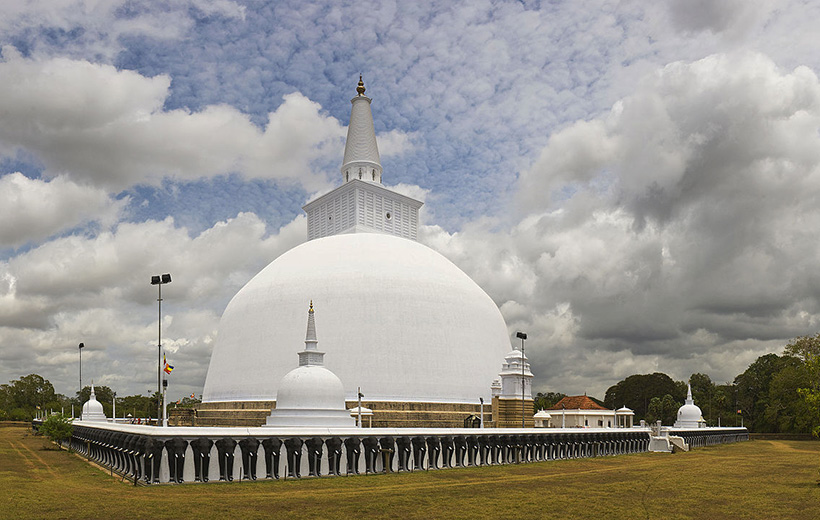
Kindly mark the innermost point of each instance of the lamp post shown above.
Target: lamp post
(164, 403)
(82, 346)
(522, 336)
(159, 281)
(359, 415)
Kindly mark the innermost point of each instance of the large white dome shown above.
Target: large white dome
(394, 317)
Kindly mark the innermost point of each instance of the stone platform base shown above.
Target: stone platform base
(385, 414)
(508, 413)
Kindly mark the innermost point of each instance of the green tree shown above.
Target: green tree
(544, 400)
(57, 427)
(753, 390)
(786, 411)
(703, 392)
(804, 347)
(637, 391)
(807, 348)
(664, 409)
(137, 405)
(21, 397)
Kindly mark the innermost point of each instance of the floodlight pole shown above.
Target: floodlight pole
(522, 336)
(159, 280)
(82, 345)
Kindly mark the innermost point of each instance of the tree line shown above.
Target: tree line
(22, 399)
(775, 394)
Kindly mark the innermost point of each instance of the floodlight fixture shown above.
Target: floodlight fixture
(82, 346)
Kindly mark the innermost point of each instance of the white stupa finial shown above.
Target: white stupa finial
(310, 336)
(689, 399)
(93, 395)
(311, 355)
(361, 159)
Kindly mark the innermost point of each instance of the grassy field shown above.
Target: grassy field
(757, 479)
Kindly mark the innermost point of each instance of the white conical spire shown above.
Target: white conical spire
(361, 159)
(93, 395)
(689, 399)
(311, 356)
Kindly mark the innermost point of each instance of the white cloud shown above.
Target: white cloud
(673, 233)
(96, 290)
(667, 226)
(32, 210)
(95, 28)
(96, 124)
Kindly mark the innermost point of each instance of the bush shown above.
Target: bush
(57, 427)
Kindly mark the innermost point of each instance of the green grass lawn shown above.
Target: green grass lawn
(756, 479)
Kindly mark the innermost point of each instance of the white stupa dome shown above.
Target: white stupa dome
(310, 387)
(689, 415)
(402, 322)
(93, 409)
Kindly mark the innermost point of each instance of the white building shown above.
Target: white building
(403, 322)
(579, 411)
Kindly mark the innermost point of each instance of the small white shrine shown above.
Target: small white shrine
(93, 409)
(689, 415)
(310, 395)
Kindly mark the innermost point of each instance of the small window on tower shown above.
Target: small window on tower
(388, 216)
(374, 174)
(347, 175)
(360, 173)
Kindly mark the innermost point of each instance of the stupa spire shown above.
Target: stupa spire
(361, 159)
(311, 355)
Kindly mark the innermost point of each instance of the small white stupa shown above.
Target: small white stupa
(310, 395)
(689, 415)
(93, 409)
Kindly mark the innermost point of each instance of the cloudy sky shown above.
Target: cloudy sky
(637, 186)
